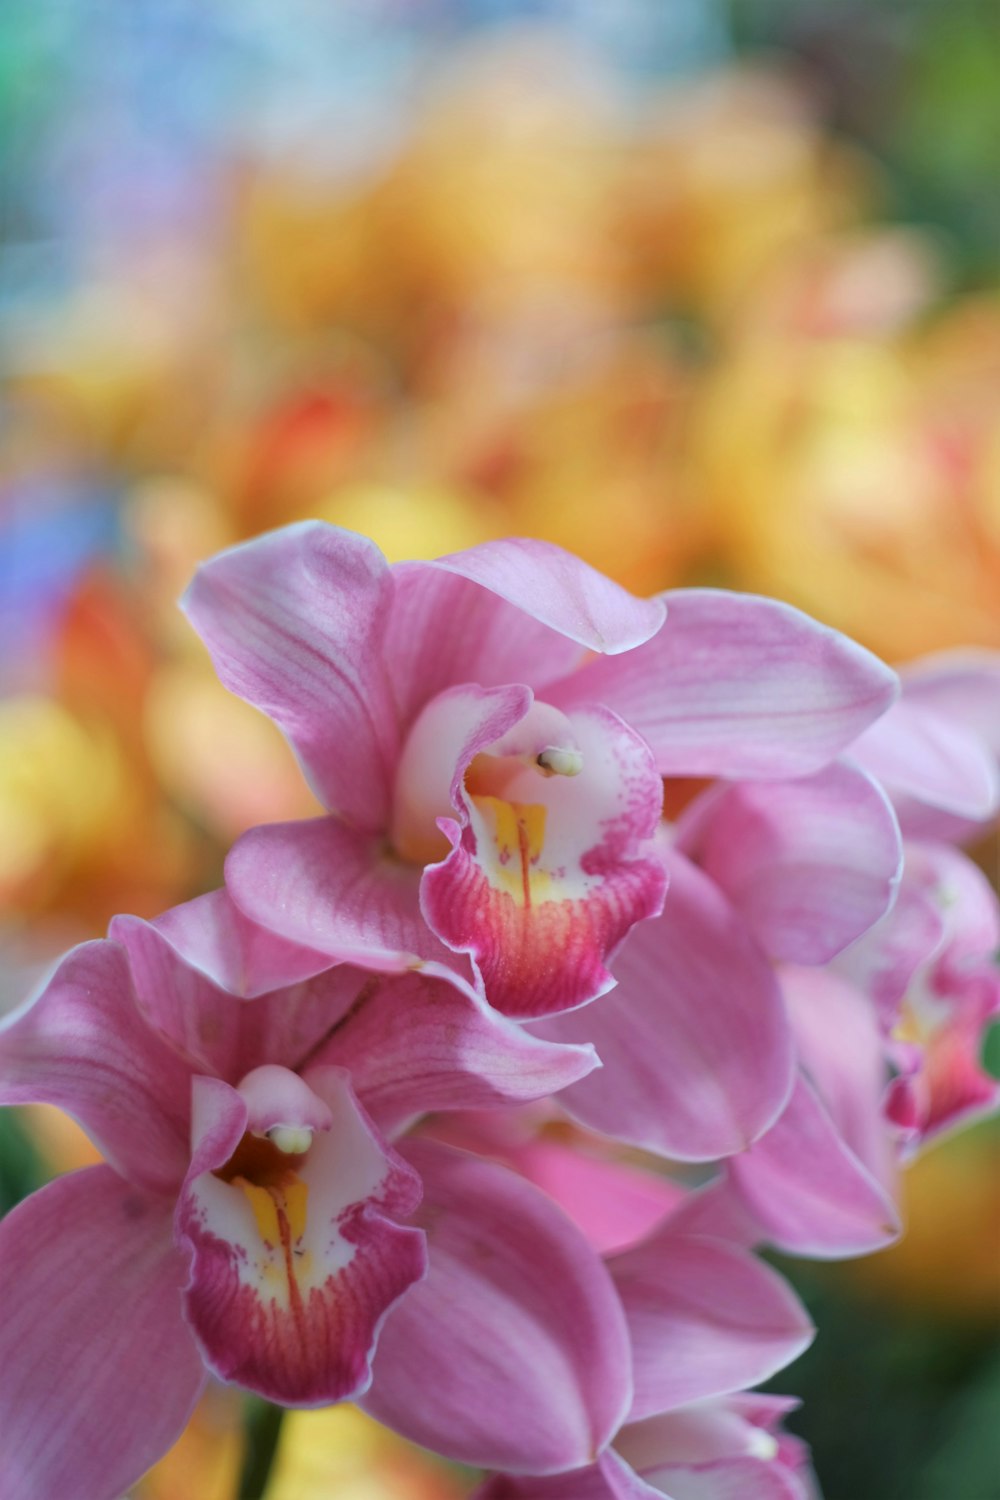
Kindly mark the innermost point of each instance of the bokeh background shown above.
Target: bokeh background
(704, 290)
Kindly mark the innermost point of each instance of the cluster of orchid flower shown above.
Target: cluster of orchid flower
(395, 1116)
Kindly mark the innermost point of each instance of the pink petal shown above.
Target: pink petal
(98, 1372)
(883, 962)
(724, 1448)
(964, 894)
(696, 1051)
(963, 687)
(705, 1319)
(561, 591)
(295, 623)
(513, 1353)
(552, 867)
(609, 1479)
(212, 934)
(840, 1048)
(807, 1189)
(426, 1041)
(508, 611)
(446, 630)
(84, 1046)
(699, 1434)
(810, 864)
(613, 1202)
(918, 751)
(222, 1034)
(293, 1311)
(335, 891)
(730, 1479)
(717, 1211)
(950, 1088)
(735, 685)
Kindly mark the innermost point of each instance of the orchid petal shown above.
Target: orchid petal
(295, 623)
(713, 1448)
(426, 1041)
(508, 611)
(513, 1353)
(698, 1434)
(446, 630)
(705, 1319)
(735, 685)
(548, 867)
(963, 687)
(840, 1048)
(948, 1089)
(609, 1479)
(220, 1033)
(917, 751)
(335, 891)
(964, 895)
(292, 1277)
(729, 1479)
(614, 1203)
(98, 1372)
(696, 1051)
(883, 962)
(717, 1211)
(810, 1193)
(810, 864)
(212, 935)
(560, 590)
(84, 1046)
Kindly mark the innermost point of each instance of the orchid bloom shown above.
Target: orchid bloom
(930, 970)
(249, 1219)
(732, 1448)
(929, 966)
(698, 1054)
(887, 1042)
(706, 1318)
(772, 883)
(489, 732)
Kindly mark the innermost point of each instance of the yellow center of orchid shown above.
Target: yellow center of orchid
(279, 1208)
(518, 830)
(261, 1169)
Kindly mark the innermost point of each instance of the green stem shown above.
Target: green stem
(263, 1429)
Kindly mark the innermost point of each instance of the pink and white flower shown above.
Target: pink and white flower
(705, 1318)
(489, 732)
(930, 968)
(253, 1219)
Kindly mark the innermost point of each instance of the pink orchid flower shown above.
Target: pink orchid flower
(930, 969)
(887, 1042)
(728, 1449)
(698, 1057)
(699, 1060)
(249, 1221)
(705, 1319)
(489, 732)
